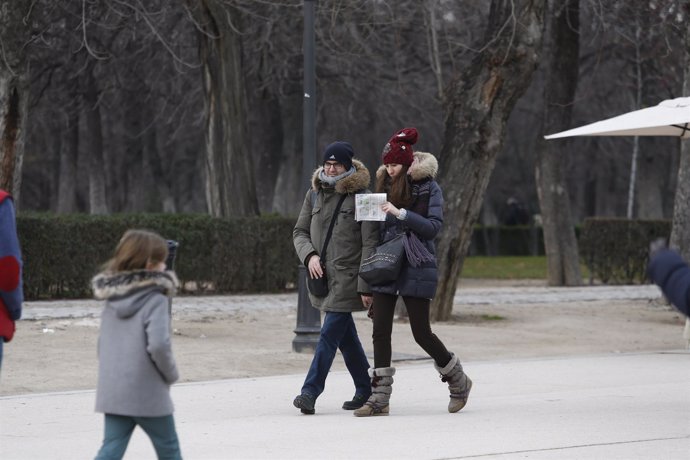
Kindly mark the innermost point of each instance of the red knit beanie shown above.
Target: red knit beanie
(398, 150)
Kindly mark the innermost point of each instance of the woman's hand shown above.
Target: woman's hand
(314, 266)
(367, 300)
(390, 209)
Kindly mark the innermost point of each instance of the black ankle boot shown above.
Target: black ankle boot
(356, 402)
(305, 402)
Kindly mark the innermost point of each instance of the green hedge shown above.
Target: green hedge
(616, 250)
(62, 253)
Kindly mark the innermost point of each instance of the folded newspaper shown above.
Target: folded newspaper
(368, 206)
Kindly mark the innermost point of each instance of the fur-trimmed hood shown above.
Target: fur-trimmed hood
(424, 166)
(355, 182)
(116, 286)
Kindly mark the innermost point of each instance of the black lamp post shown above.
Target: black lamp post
(308, 317)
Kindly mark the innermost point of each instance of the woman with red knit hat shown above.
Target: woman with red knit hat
(414, 207)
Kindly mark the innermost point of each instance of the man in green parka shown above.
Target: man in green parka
(341, 176)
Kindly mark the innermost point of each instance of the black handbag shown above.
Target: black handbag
(318, 287)
(384, 265)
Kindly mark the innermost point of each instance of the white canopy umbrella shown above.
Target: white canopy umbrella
(670, 118)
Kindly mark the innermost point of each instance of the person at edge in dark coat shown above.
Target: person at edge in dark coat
(351, 242)
(11, 295)
(414, 207)
(671, 273)
(136, 365)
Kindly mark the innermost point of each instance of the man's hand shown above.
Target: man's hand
(314, 266)
(367, 300)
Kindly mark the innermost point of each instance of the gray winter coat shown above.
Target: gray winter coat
(135, 361)
(350, 243)
(418, 281)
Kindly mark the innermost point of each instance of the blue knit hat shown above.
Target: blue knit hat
(341, 152)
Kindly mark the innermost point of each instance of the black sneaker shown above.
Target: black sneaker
(357, 402)
(305, 403)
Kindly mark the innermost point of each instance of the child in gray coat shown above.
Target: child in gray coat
(136, 364)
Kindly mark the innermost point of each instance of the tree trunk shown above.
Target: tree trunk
(651, 178)
(136, 190)
(680, 233)
(67, 178)
(94, 144)
(230, 189)
(265, 143)
(14, 90)
(161, 169)
(560, 244)
(478, 106)
(289, 190)
(680, 228)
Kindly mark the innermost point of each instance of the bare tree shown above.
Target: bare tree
(680, 234)
(478, 105)
(13, 91)
(94, 145)
(560, 244)
(230, 189)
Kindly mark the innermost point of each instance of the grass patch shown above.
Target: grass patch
(508, 268)
(493, 317)
(504, 267)
(477, 318)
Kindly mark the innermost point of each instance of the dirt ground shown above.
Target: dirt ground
(60, 354)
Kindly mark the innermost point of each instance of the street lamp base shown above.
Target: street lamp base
(308, 326)
(305, 342)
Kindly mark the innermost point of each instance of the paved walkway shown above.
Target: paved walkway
(617, 406)
(614, 406)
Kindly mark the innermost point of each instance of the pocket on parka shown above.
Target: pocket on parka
(347, 278)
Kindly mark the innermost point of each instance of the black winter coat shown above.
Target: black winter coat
(671, 273)
(418, 281)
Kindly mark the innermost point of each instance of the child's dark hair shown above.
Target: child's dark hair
(136, 249)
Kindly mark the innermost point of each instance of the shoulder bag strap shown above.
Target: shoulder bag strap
(322, 256)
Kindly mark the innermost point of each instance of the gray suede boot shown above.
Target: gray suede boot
(381, 389)
(459, 383)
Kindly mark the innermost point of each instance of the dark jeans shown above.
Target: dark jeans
(119, 428)
(338, 332)
(418, 313)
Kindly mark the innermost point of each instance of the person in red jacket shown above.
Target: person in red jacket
(11, 295)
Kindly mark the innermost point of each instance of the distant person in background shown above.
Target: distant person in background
(515, 213)
(671, 273)
(135, 361)
(11, 295)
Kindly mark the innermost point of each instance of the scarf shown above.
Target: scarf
(415, 250)
(332, 180)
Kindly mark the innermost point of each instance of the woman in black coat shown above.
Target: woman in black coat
(415, 208)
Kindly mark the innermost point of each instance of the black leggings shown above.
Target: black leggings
(418, 313)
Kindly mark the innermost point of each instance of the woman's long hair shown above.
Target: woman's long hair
(398, 188)
(136, 249)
